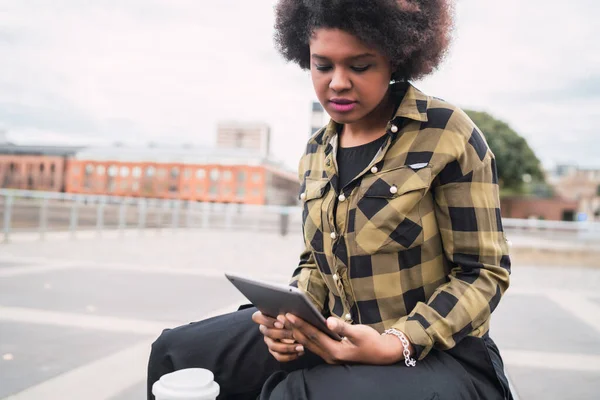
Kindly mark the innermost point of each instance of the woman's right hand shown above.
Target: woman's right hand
(279, 340)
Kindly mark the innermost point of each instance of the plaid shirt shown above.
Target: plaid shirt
(415, 241)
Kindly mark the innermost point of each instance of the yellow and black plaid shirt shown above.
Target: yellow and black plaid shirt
(415, 241)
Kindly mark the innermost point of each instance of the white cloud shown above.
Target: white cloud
(138, 71)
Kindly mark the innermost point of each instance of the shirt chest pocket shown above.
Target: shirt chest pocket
(387, 216)
(312, 214)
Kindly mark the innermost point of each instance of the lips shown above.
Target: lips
(342, 101)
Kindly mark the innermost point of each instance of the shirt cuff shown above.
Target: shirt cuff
(416, 335)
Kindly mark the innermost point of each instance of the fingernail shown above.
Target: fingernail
(290, 318)
(278, 325)
(262, 328)
(300, 349)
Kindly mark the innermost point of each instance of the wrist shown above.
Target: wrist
(394, 349)
(400, 347)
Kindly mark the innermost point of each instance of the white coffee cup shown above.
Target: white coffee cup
(187, 384)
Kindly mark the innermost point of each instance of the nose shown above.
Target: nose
(340, 81)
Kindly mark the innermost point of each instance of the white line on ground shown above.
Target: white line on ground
(9, 272)
(535, 291)
(110, 324)
(554, 361)
(104, 378)
(578, 306)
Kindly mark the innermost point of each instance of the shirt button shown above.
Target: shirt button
(394, 189)
(333, 235)
(342, 198)
(348, 316)
(303, 196)
(335, 277)
(394, 128)
(374, 170)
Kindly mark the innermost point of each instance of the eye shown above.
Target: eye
(360, 68)
(323, 67)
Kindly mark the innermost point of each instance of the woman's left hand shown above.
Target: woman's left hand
(361, 343)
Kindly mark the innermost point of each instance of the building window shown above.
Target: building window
(241, 176)
(173, 189)
(186, 189)
(200, 190)
(111, 186)
(200, 173)
(136, 172)
(227, 175)
(214, 174)
(214, 190)
(52, 168)
(89, 169)
(100, 170)
(255, 192)
(241, 192)
(226, 191)
(187, 173)
(124, 172)
(598, 191)
(124, 185)
(135, 186)
(174, 172)
(150, 171)
(112, 171)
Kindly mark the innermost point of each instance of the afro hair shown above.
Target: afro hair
(413, 34)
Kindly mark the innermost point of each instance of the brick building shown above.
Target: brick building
(34, 167)
(552, 209)
(187, 173)
(581, 185)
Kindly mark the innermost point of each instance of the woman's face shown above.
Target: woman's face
(350, 79)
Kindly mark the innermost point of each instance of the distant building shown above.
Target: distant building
(317, 117)
(187, 173)
(551, 209)
(581, 185)
(34, 167)
(254, 137)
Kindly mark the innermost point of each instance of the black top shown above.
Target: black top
(351, 161)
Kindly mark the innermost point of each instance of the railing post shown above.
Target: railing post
(229, 212)
(74, 217)
(142, 209)
(122, 215)
(8, 205)
(43, 218)
(189, 214)
(100, 216)
(205, 215)
(175, 215)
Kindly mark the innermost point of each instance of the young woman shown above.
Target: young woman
(405, 251)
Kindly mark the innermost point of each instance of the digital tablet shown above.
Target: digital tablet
(274, 299)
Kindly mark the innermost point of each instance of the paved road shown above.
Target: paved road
(77, 317)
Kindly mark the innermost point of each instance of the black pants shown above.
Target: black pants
(232, 347)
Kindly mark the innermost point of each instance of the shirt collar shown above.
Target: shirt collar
(413, 106)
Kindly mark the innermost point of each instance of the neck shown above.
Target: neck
(371, 127)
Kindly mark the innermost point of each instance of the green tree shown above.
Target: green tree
(519, 170)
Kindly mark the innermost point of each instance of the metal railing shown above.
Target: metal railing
(43, 212)
(24, 211)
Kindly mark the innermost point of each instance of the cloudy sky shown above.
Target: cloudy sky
(134, 71)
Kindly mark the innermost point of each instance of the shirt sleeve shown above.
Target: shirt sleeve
(307, 276)
(467, 209)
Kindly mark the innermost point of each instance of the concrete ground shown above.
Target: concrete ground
(77, 316)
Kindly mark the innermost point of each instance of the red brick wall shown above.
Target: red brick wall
(32, 172)
(548, 209)
(218, 183)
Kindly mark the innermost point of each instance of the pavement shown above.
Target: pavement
(77, 316)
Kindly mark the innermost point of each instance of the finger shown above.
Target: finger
(262, 319)
(278, 334)
(284, 357)
(339, 327)
(283, 348)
